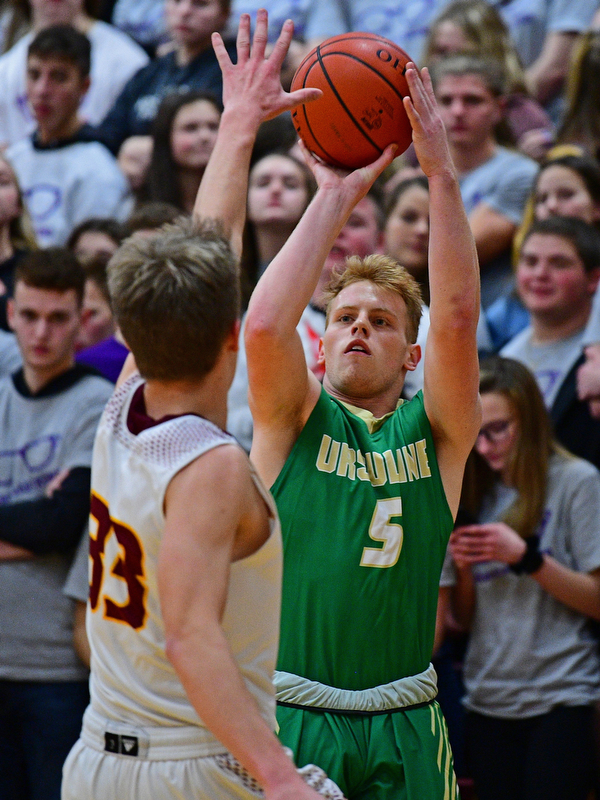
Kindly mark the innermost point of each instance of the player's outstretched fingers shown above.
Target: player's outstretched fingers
(261, 35)
(374, 170)
(282, 44)
(428, 84)
(221, 52)
(242, 42)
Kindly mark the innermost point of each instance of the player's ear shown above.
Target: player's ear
(10, 313)
(321, 356)
(413, 357)
(233, 339)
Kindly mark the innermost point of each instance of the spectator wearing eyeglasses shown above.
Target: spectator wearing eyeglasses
(527, 585)
(49, 409)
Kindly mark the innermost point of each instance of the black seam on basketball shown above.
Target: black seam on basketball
(350, 37)
(363, 37)
(332, 160)
(344, 106)
(370, 66)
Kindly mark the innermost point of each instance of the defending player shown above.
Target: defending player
(185, 547)
(367, 486)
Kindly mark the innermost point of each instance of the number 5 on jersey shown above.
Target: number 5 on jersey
(382, 529)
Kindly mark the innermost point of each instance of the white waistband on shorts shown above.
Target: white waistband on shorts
(411, 691)
(160, 743)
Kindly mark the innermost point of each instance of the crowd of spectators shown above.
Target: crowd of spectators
(109, 111)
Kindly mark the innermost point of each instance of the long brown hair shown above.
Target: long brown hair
(531, 456)
(161, 182)
(487, 33)
(581, 122)
(22, 235)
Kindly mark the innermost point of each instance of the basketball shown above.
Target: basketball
(360, 111)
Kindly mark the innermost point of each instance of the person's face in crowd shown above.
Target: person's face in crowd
(97, 322)
(406, 232)
(360, 236)
(90, 244)
(46, 323)
(499, 433)
(551, 278)
(55, 12)
(194, 134)
(191, 22)
(449, 39)
(468, 109)
(561, 192)
(10, 206)
(55, 88)
(277, 191)
(365, 348)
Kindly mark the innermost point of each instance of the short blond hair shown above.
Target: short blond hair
(385, 272)
(175, 297)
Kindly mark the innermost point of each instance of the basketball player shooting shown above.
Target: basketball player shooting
(367, 486)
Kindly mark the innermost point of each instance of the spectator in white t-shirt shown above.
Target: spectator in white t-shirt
(115, 58)
(65, 178)
(494, 181)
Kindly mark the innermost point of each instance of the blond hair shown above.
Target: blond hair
(487, 34)
(385, 272)
(175, 297)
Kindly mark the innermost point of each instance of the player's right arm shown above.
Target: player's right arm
(252, 93)
(213, 516)
(283, 391)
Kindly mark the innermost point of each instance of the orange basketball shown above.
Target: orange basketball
(360, 112)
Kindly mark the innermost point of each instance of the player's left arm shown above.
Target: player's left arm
(451, 368)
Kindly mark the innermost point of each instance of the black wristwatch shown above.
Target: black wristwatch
(532, 559)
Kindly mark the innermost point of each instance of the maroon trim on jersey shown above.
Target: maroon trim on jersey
(138, 419)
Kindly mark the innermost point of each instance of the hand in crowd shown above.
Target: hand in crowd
(134, 159)
(494, 541)
(588, 379)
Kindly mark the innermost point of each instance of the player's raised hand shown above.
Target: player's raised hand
(352, 186)
(429, 134)
(254, 81)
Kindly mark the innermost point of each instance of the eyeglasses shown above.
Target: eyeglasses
(36, 455)
(495, 432)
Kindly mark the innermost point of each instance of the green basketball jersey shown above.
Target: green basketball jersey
(365, 526)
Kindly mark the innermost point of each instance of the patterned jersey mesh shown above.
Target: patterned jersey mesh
(312, 775)
(164, 445)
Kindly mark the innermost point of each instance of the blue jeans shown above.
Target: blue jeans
(39, 723)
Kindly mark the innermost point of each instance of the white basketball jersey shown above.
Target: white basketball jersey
(132, 679)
